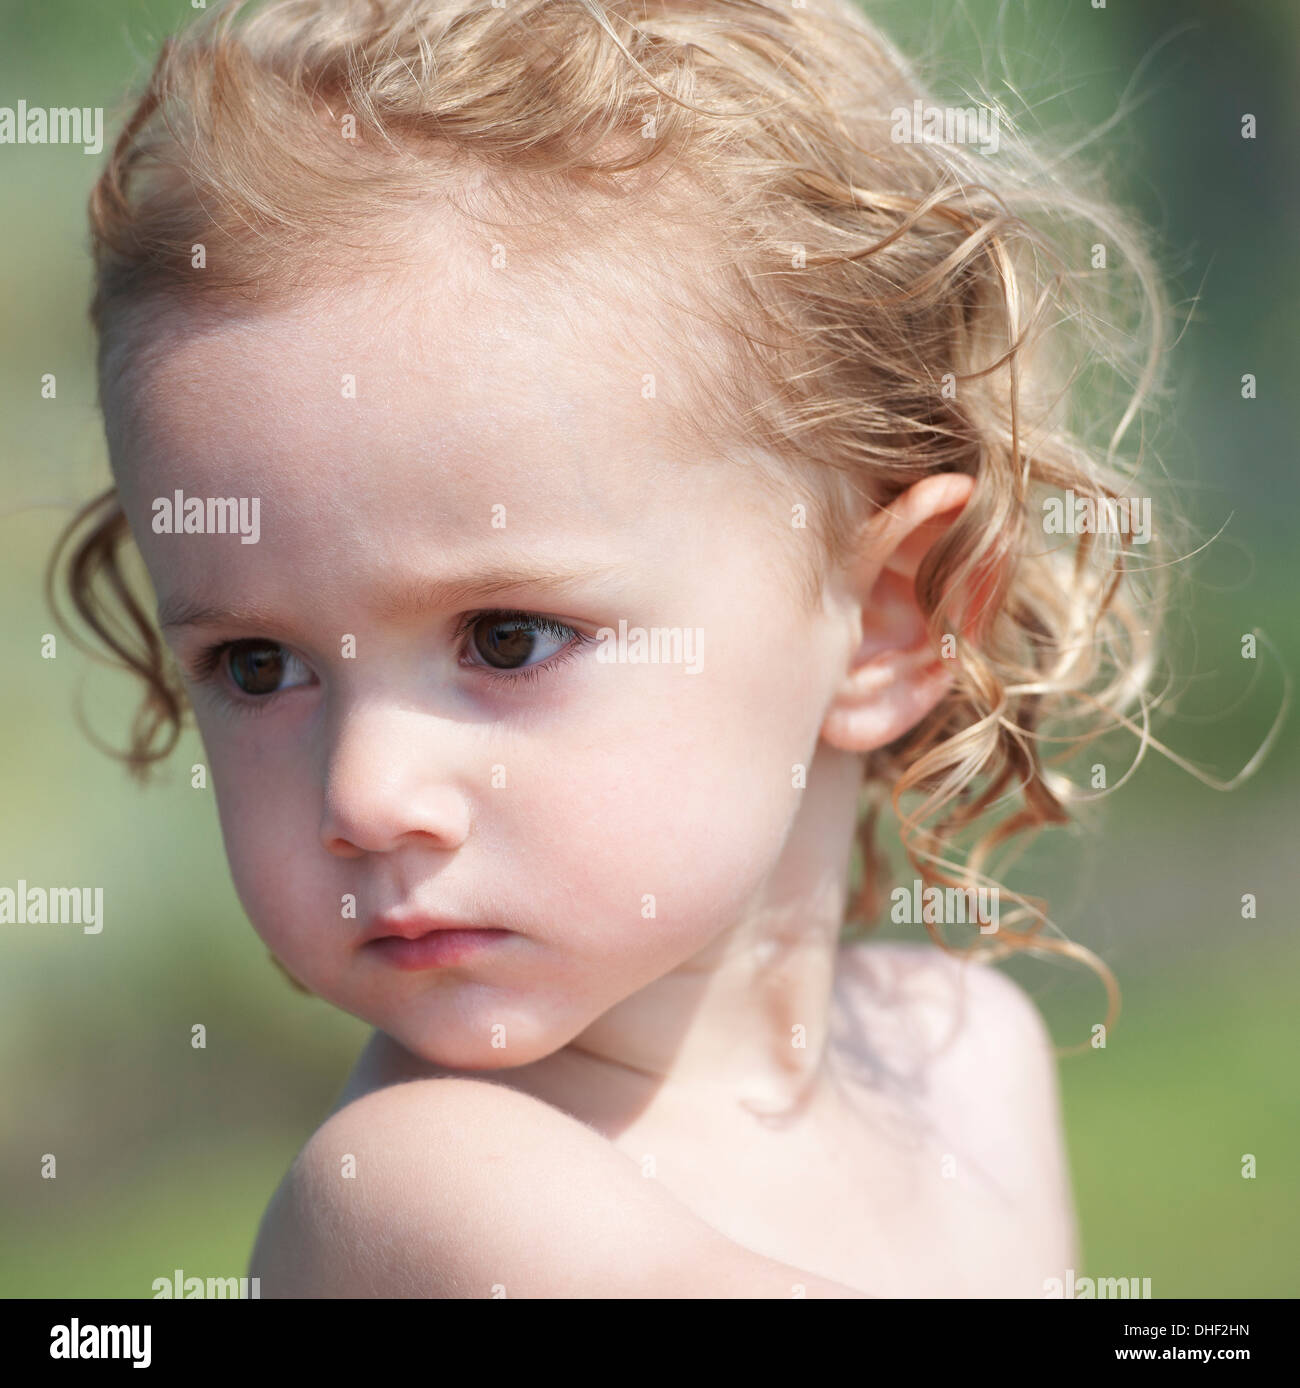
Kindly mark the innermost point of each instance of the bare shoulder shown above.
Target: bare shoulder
(924, 1003)
(378, 1164)
(459, 1187)
(976, 1054)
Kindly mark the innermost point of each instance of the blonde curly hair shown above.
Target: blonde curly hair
(890, 308)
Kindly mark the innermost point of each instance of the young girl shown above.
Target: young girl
(586, 453)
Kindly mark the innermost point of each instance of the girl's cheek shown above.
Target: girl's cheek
(681, 829)
(263, 847)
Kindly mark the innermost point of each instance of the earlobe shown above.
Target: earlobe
(885, 697)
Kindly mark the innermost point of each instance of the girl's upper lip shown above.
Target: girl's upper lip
(413, 926)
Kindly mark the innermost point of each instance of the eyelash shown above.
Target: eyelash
(206, 666)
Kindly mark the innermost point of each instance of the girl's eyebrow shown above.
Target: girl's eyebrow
(410, 597)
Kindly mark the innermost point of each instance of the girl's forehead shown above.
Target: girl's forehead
(632, 326)
(456, 362)
(351, 417)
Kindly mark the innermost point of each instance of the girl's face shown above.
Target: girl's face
(383, 753)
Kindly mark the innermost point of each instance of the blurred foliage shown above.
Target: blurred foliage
(166, 1155)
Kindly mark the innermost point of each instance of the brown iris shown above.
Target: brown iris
(509, 643)
(257, 667)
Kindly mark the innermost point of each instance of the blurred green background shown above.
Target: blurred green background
(167, 1155)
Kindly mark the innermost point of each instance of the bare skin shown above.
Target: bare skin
(672, 985)
(905, 1172)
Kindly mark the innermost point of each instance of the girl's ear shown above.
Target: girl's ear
(894, 677)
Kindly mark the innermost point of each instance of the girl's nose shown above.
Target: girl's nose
(387, 784)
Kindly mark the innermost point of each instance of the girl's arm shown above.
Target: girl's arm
(466, 1188)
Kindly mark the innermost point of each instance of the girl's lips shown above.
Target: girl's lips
(434, 950)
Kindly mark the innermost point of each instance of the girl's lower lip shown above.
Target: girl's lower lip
(435, 950)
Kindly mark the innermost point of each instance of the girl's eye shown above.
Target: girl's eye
(507, 646)
(263, 667)
(517, 640)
